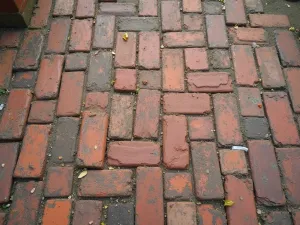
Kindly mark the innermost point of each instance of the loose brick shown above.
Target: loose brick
(216, 31)
(178, 186)
(58, 36)
(42, 112)
(227, 119)
(148, 8)
(47, 84)
(269, 67)
(150, 79)
(170, 16)
(241, 193)
(149, 50)
(63, 8)
(76, 61)
(10, 38)
(149, 196)
(192, 6)
(121, 214)
(207, 175)
(70, 95)
(125, 80)
(193, 22)
(196, 58)
(24, 79)
(201, 128)
(81, 35)
(233, 162)
(85, 8)
(268, 20)
(213, 82)
(126, 51)
(104, 31)
(8, 155)
(250, 102)
(41, 14)
(256, 128)
(184, 39)
(212, 7)
(30, 50)
(173, 70)
(87, 211)
(106, 183)
(57, 212)
(25, 204)
(220, 59)
(14, 118)
(296, 217)
(181, 213)
(7, 58)
(138, 23)
(278, 217)
(133, 153)
(118, 9)
(254, 6)
(293, 80)
(97, 101)
(289, 162)
(244, 65)
(278, 106)
(59, 181)
(265, 173)
(210, 216)
(235, 12)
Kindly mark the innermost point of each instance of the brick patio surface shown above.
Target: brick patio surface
(152, 118)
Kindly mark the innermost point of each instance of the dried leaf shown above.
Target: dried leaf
(83, 174)
(111, 168)
(105, 207)
(125, 36)
(228, 203)
(102, 223)
(32, 190)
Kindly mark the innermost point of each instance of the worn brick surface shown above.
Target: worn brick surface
(81, 35)
(201, 128)
(212, 7)
(76, 61)
(269, 20)
(10, 38)
(233, 162)
(293, 80)
(63, 7)
(210, 216)
(148, 8)
(235, 12)
(178, 186)
(7, 58)
(118, 9)
(254, 6)
(250, 102)
(181, 213)
(97, 101)
(104, 31)
(57, 212)
(170, 13)
(251, 34)
(2, 218)
(85, 8)
(184, 39)
(196, 59)
(216, 31)
(193, 22)
(220, 59)
(256, 128)
(138, 23)
(192, 6)
(87, 211)
(278, 217)
(149, 50)
(41, 14)
(126, 50)
(149, 79)
(25, 79)
(121, 214)
(125, 80)
(42, 112)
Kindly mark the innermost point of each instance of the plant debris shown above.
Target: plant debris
(228, 203)
(82, 174)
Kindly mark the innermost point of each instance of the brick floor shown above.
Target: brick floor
(152, 119)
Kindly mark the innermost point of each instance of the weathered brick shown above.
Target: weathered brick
(293, 80)
(2, 218)
(193, 22)
(209, 216)
(269, 20)
(150, 79)
(277, 217)
(41, 14)
(87, 211)
(184, 39)
(196, 58)
(125, 80)
(149, 50)
(251, 34)
(118, 9)
(10, 38)
(265, 173)
(250, 102)
(220, 59)
(121, 214)
(178, 186)
(227, 119)
(201, 128)
(106, 183)
(181, 213)
(14, 118)
(256, 128)
(76, 61)
(81, 35)
(47, 84)
(212, 7)
(233, 162)
(278, 106)
(192, 6)
(138, 23)
(25, 79)
(126, 50)
(85, 8)
(42, 112)
(235, 12)
(296, 217)
(57, 212)
(170, 16)
(97, 101)
(149, 196)
(63, 7)
(254, 6)
(7, 58)
(104, 31)
(148, 8)
(216, 31)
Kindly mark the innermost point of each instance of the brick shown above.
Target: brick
(57, 212)
(2, 218)
(14, 118)
(250, 102)
(86, 211)
(104, 31)
(227, 119)
(42, 112)
(99, 76)
(244, 65)
(47, 84)
(184, 39)
(70, 95)
(265, 173)
(150, 79)
(196, 58)
(293, 80)
(220, 59)
(118, 9)
(287, 47)
(209, 82)
(193, 22)
(269, 67)
(173, 70)
(58, 36)
(212, 7)
(25, 204)
(170, 16)
(149, 50)
(277, 106)
(125, 80)
(296, 217)
(8, 155)
(41, 14)
(25, 79)
(241, 193)
(181, 213)
(192, 6)
(254, 6)
(278, 217)
(126, 50)
(85, 8)
(106, 183)
(59, 181)
(268, 20)
(148, 8)
(63, 8)
(186, 103)
(216, 31)
(121, 214)
(201, 128)
(30, 50)
(97, 101)
(210, 216)
(121, 116)
(149, 196)
(233, 162)
(10, 38)
(178, 186)
(81, 35)
(256, 128)
(251, 34)
(76, 61)
(235, 12)
(289, 162)
(138, 23)
(7, 58)
(133, 153)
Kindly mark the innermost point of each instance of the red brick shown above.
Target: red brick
(48, 81)
(10, 38)
(59, 181)
(126, 50)
(42, 112)
(81, 35)
(2, 218)
(7, 58)
(192, 6)
(244, 65)
(209, 82)
(220, 59)
(149, 50)
(293, 80)
(201, 128)
(193, 22)
(216, 31)
(296, 217)
(269, 20)
(32, 159)
(181, 213)
(58, 36)
(41, 14)
(173, 70)
(148, 8)
(265, 173)
(76, 61)
(14, 118)
(104, 31)
(289, 162)
(250, 102)
(133, 153)
(251, 34)
(70, 95)
(170, 16)
(63, 7)
(97, 101)
(241, 193)
(278, 106)
(85, 8)
(227, 120)
(118, 9)
(184, 39)
(125, 80)
(278, 217)
(57, 212)
(24, 209)
(233, 162)
(8, 155)
(149, 196)
(210, 216)
(87, 211)
(178, 186)
(150, 79)
(106, 183)
(196, 58)
(269, 67)
(235, 12)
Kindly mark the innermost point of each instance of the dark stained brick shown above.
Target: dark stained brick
(118, 9)
(212, 7)
(7, 58)
(220, 59)
(254, 6)
(24, 79)
(10, 37)
(120, 214)
(87, 211)
(42, 112)
(76, 61)
(278, 218)
(104, 31)
(181, 213)
(256, 128)
(138, 23)
(178, 186)
(149, 79)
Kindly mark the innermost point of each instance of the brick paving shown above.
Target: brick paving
(152, 119)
